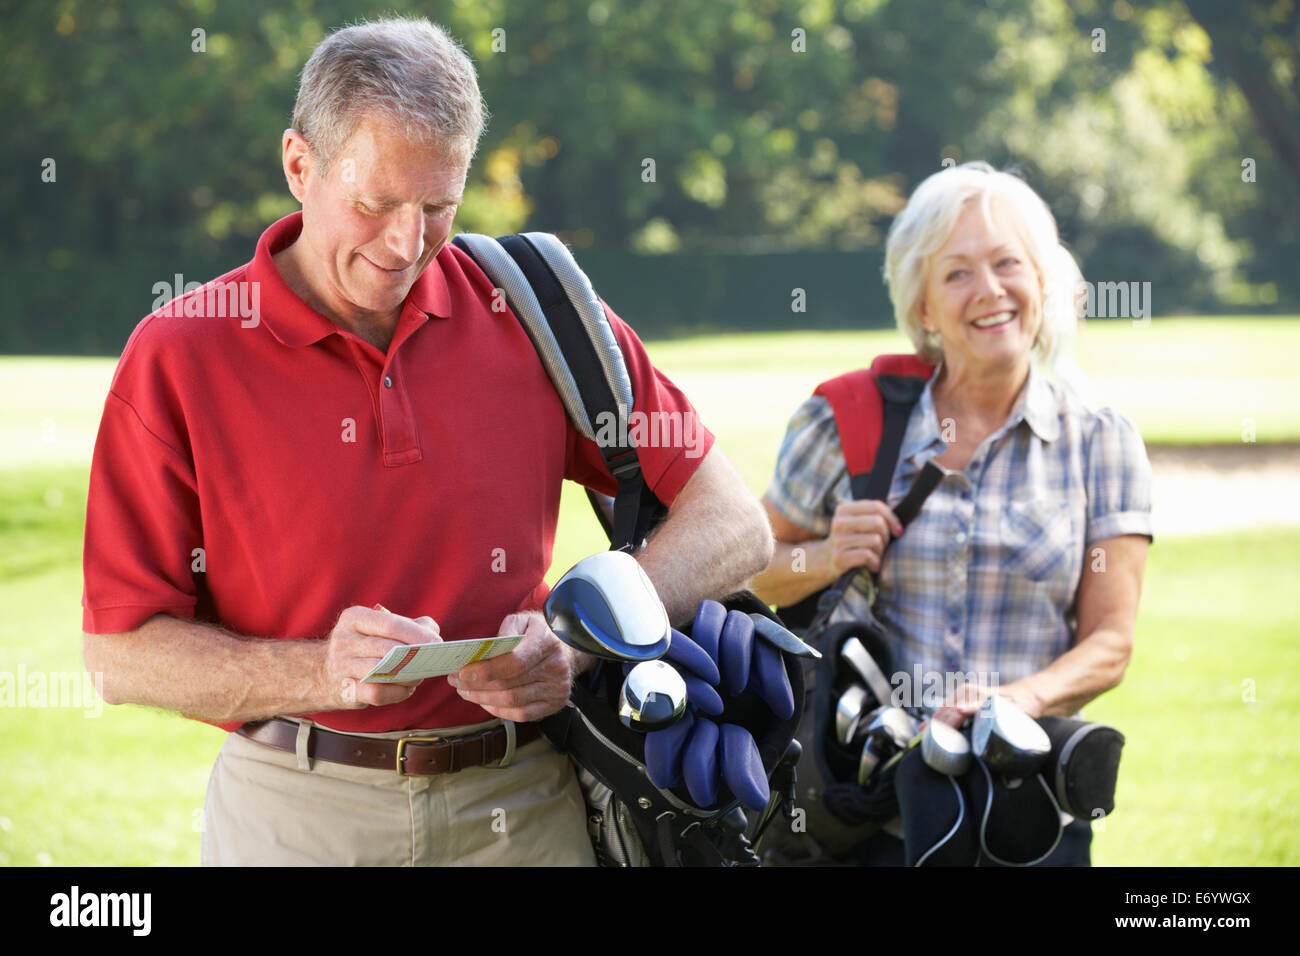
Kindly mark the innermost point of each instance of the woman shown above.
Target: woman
(1025, 563)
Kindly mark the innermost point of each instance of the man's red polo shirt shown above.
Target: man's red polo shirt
(267, 474)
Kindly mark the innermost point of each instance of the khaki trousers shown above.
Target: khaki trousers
(265, 807)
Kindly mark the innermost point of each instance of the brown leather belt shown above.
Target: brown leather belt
(414, 756)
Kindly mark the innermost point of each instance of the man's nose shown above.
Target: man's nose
(405, 234)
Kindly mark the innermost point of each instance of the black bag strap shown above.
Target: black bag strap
(899, 394)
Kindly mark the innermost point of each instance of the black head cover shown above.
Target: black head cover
(1083, 766)
(1019, 822)
(938, 826)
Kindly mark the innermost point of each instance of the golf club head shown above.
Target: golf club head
(606, 606)
(848, 712)
(894, 725)
(1008, 739)
(888, 730)
(859, 658)
(876, 751)
(653, 696)
(945, 748)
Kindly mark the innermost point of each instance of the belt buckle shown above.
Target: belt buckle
(401, 753)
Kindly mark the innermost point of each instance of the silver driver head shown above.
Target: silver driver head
(605, 605)
(1008, 739)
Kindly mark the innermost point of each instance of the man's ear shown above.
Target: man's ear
(298, 162)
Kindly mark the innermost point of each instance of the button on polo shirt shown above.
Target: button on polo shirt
(266, 474)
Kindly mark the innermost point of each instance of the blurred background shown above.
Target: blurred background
(705, 161)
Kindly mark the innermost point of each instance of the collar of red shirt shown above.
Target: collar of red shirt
(293, 322)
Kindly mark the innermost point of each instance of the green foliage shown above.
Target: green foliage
(772, 127)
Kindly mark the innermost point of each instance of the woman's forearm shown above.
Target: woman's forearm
(1085, 672)
(795, 571)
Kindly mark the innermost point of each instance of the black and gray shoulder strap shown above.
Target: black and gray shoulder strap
(554, 301)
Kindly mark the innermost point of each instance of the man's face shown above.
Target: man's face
(376, 218)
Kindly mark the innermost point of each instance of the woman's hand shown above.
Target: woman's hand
(967, 698)
(860, 532)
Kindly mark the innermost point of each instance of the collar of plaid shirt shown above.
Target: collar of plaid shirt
(1035, 405)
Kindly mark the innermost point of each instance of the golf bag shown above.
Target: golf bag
(632, 822)
(871, 408)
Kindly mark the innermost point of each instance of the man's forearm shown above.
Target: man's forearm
(714, 540)
(205, 671)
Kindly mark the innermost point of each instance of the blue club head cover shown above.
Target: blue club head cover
(706, 630)
(735, 650)
(770, 680)
(701, 695)
(685, 653)
(742, 767)
(663, 752)
(700, 763)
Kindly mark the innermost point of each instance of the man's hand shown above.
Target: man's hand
(358, 642)
(529, 683)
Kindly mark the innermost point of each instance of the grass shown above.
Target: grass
(1208, 774)
(1192, 380)
(1206, 705)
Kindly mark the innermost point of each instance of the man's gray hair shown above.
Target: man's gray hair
(410, 72)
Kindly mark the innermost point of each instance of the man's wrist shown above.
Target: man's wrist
(581, 662)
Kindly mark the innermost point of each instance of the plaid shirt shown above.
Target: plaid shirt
(984, 579)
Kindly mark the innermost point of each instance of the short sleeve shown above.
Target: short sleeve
(1118, 479)
(809, 466)
(142, 525)
(670, 437)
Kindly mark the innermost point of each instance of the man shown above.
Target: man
(266, 487)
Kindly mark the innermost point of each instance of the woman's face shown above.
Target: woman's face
(982, 294)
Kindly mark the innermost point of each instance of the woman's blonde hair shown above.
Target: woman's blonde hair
(927, 221)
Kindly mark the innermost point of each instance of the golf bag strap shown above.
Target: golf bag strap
(872, 407)
(555, 303)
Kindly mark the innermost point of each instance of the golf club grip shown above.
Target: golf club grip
(926, 482)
